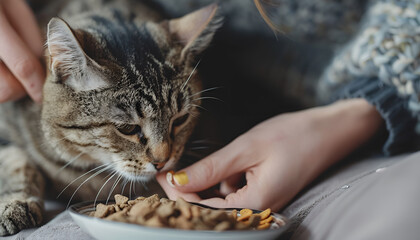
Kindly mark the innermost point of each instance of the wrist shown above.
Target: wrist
(340, 128)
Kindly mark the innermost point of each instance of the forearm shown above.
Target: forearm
(339, 129)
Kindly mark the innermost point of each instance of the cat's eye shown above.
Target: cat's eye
(129, 129)
(181, 120)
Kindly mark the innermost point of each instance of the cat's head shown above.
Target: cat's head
(124, 92)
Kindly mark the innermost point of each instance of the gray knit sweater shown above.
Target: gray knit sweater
(339, 49)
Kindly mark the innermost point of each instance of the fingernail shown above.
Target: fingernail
(179, 178)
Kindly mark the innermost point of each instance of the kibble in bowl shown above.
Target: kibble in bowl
(158, 218)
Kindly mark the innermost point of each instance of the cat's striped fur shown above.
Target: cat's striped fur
(121, 96)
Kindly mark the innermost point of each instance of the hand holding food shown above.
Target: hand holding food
(268, 165)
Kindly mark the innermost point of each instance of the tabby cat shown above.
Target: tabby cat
(121, 97)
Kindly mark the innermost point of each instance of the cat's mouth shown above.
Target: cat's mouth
(133, 172)
(144, 172)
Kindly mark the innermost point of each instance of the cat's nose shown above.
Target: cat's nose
(160, 152)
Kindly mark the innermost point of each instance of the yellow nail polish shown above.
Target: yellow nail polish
(180, 178)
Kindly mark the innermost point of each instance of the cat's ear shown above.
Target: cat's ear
(68, 62)
(195, 30)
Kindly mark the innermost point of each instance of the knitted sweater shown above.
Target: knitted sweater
(355, 49)
(381, 64)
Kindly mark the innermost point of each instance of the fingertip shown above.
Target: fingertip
(10, 88)
(34, 86)
(37, 96)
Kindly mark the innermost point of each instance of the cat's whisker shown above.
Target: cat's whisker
(124, 184)
(103, 185)
(206, 141)
(131, 187)
(189, 77)
(203, 91)
(197, 106)
(193, 154)
(199, 148)
(117, 180)
(145, 187)
(77, 189)
(199, 141)
(92, 170)
(134, 188)
(103, 179)
(204, 98)
(109, 174)
(116, 184)
(70, 162)
(193, 114)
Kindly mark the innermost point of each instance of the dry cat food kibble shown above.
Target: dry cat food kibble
(161, 212)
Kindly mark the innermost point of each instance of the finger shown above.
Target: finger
(20, 60)
(173, 193)
(232, 184)
(22, 19)
(214, 168)
(10, 88)
(257, 194)
(246, 197)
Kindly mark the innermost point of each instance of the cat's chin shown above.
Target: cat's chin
(145, 176)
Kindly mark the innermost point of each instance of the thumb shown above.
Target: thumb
(210, 170)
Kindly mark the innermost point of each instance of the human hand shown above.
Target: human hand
(278, 157)
(21, 48)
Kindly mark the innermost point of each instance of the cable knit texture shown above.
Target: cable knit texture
(381, 64)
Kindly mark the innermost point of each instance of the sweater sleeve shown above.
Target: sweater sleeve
(381, 64)
(399, 121)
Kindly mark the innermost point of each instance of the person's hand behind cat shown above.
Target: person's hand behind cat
(278, 157)
(21, 47)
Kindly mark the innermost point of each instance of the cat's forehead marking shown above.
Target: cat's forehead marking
(126, 40)
(146, 86)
